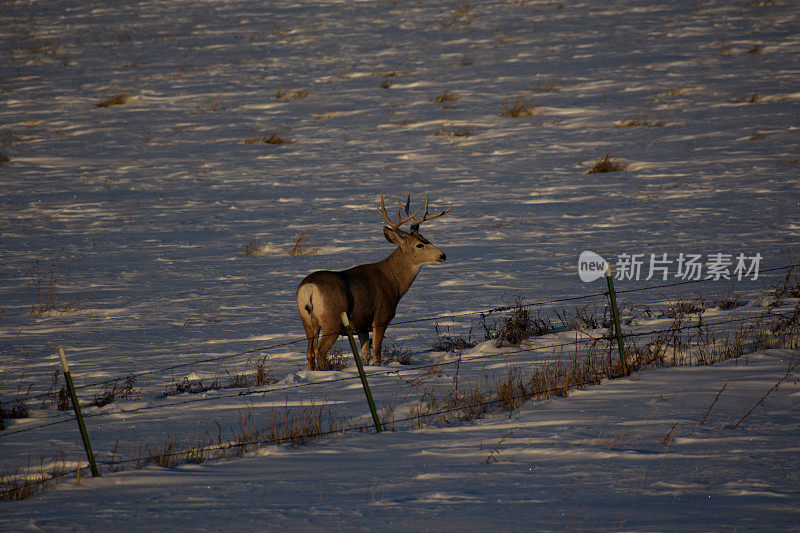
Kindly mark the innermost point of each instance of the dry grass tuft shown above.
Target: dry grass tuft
(300, 245)
(291, 95)
(520, 325)
(681, 308)
(446, 342)
(256, 247)
(275, 138)
(117, 99)
(115, 392)
(607, 164)
(520, 107)
(446, 96)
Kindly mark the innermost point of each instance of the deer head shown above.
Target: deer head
(412, 244)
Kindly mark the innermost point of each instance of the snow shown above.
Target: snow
(132, 219)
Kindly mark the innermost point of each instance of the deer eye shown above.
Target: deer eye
(420, 245)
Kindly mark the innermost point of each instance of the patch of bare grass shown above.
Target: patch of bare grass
(606, 164)
(276, 138)
(120, 98)
(446, 96)
(291, 95)
(521, 106)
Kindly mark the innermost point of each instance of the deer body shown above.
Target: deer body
(369, 293)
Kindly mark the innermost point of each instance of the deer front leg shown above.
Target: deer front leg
(377, 340)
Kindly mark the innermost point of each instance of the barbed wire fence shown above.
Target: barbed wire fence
(408, 371)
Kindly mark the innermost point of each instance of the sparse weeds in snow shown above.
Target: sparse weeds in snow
(47, 292)
(521, 106)
(643, 118)
(445, 342)
(520, 325)
(606, 164)
(208, 314)
(19, 484)
(492, 457)
(396, 353)
(114, 391)
(301, 244)
(17, 409)
(257, 373)
(210, 106)
(195, 450)
(465, 403)
(790, 285)
(310, 424)
(463, 14)
(682, 308)
(56, 397)
(726, 301)
(465, 131)
(257, 247)
(583, 319)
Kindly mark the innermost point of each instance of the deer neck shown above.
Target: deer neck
(400, 271)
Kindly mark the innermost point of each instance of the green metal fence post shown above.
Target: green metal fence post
(361, 372)
(612, 297)
(77, 406)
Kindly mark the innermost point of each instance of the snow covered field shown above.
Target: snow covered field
(123, 228)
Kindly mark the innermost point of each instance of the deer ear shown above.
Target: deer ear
(393, 236)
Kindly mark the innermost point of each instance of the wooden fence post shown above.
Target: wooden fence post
(77, 406)
(361, 372)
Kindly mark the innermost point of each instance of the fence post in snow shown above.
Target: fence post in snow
(612, 297)
(361, 372)
(77, 406)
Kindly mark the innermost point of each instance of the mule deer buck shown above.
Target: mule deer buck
(367, 293)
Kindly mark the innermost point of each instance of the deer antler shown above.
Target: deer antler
(401, 220)
(425, 217)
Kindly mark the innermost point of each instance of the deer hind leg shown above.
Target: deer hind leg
(312, 334)
(363, 338)
(330, 333)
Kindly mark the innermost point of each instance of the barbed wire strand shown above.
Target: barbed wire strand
(418, 370)
(484, 312)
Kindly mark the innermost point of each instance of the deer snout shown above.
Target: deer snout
(442, 258)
